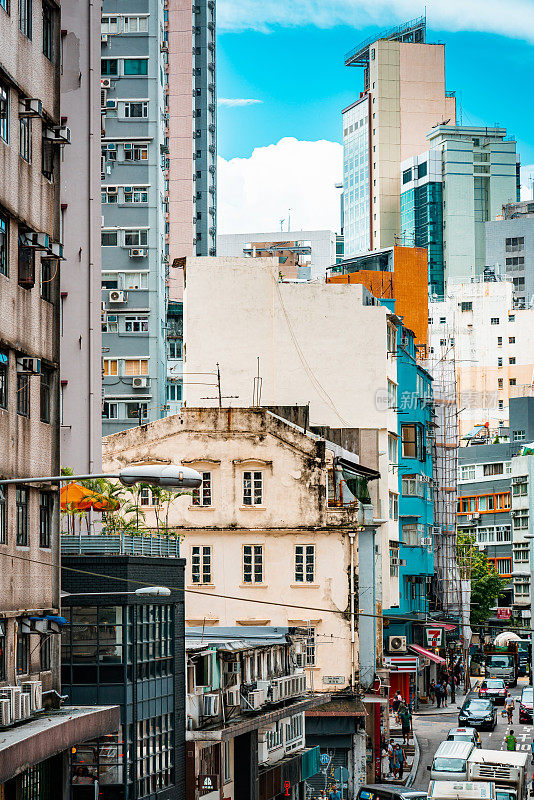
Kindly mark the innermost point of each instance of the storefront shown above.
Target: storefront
(403, 677)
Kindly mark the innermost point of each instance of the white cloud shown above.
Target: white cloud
(527, 182)
(507, 17)
(254, 194)
(231, 102)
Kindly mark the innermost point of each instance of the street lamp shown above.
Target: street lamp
(165, 475)
(143, 591)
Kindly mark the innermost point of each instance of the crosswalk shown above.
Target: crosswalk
(524, 738)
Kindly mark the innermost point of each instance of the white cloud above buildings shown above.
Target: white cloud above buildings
(255, 193)
(233, 102)
(511, 18)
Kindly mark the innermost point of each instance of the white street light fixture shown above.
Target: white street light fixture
(172, 476)
(144, 591)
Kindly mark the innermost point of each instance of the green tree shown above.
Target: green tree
(486, 585)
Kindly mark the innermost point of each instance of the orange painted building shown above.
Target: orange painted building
(395, 273)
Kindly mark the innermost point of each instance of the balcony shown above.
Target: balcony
(120, 545)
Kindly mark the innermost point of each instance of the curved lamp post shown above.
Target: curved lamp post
(172, 476)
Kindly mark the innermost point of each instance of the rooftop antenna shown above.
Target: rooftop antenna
(289, 220)
(256, 393)
(282, 224)
(220, 397)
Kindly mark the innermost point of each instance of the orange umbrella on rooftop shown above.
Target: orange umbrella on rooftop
(75, 497)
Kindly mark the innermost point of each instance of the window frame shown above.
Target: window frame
(255, 490)
(3, 515)
(25, 139)
(22, 656)
(25, 18)
(23, 394)
(22, 499)
(4, 378)
(304, 556)
(46, 512)
(201, 565)
(254, 567)
(48, 31)
(5, 96)
(202, 497)
(45, 394)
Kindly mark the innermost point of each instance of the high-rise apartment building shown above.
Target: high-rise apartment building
(134, 208)
(80, 340)
(35, 747)
(510, 248)
(403, 97)
(448, 193)
(192, 128)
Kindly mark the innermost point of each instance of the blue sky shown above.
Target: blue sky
(295, 72)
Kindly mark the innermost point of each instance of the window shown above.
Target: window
(407, 176)
(201, 564)
(511, 317)
(511, 340)
(26, 265)
(3, 642)
(393, 506)
(422, 169)
(275, 736)
(23, 652)
(310, 648)
(494, 469)
(499, 341)
(494, 320)
(109, 238)
(4, 374)
(304, 563)
(48, 158)
(48, 31)
(521, 551)
(137, 411)
(109, 195)
(442, 320)
(202, 495)
(467, 472)
(512, 382)
(22, 517)
(134, 280)
(25, 138)
(136, 325)
(227, 760)
(501, 405)
(499, 362)
(522, 586)
(136, 66)
(252, 488)
(392, 448)
(486, 503)
(518, 436)
(500, 383)
(466, 306)
(503, 566)
(410, 534)
(253, 563)
(412, 437)
(393, 560)
(135, 152)
(109, 66)
(135, 24)
(175, 348)
(45, 394)
(135, 366)
(137, 194)
(49, 271)
(110, 367)
(466, 505)
(503, 501)
(46, 506)
(25, 17)
(392, 394)
(520, 487)
(110, 410)
(135, 109)
(3, 515)
(110, 25)
(4, 228)
(391, 337)
(520, 519)
(174, 391)
(135, 238)
(515, 243)
(413, 486)
(155, 743)
(4, 111)
(23, 394)
(46, 653)
(511, 360)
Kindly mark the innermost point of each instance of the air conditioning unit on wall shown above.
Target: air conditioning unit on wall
(397, 644)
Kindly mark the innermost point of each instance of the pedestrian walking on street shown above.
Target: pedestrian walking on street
(511, 741)
(399, 760)
(509, 706)
(405, 717)
(335, 794)
(438, 691)
(395, 705)
(432, 691)
(391, 750)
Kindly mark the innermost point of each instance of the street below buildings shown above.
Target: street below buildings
(431, 730)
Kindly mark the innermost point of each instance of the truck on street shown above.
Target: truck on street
(461, 790)
(507, 769)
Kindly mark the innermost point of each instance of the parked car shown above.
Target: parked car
(493, 689)
(464, 735)
(525, 705)
(385, 791)
(477, 713)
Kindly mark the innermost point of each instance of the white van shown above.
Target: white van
(460, 790)
(450, 761)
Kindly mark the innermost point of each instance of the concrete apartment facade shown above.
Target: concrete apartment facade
(34, 751)
(134, 207)
(522, 520)
(314, 343)
(275, 520)
(404, 96)
(510, 248)
(192, 128)
(448, 194)
(317, 250)
(479, 330)
(81, 338)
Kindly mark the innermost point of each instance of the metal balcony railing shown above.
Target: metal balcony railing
(143, 545)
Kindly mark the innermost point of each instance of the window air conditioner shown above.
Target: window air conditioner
(256, 699)
(5, 712)
(426, 541)
(25, 705)
(105, 83)
(116, 296)
(30, 107)
(232, 667)
(210, 705)
(104, 38)
(111, 146)
(31, 365)
(111, 189)
(397, 644)
(139, 383)
(111, 104)
(136, 253)
(112, 317)
(12, 695)
(34, 690)
(233, 696)
(128, 189)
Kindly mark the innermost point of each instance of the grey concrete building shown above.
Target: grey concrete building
(134, 207)
(192, 130)
(34, 747)
(510, 248)
(80, 342)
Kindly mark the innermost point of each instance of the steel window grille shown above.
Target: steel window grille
(23, 652)
(310, 648)
(26, 265)
(25, 17)
(155, 746)
(46, 506)
(46, 654)
(22, 517)
(304, 563)
(23, 394)
(49, 271)
(25, 138)
(202, 495)
(252, 488)
(201, 564)
(155, 642)
(48, 31)
(46, 393)
(252, 563)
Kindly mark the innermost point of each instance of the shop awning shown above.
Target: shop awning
(447, 626)
(426, 653)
